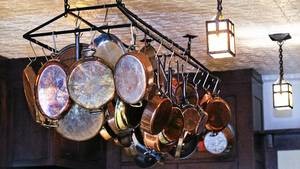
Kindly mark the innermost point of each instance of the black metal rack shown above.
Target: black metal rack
(160, 38)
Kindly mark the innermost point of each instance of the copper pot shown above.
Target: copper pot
(218, 111)
(134, 77)
(109, 48)
(90, 83)
(150, 52)
(154, 142)
(79, 124)
(175, 127)
(29, 78)
(156, 115)
(52, 97)
(67, 54)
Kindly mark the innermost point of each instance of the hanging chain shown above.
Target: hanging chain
(219, 8)
(280, 61)
(67, 7)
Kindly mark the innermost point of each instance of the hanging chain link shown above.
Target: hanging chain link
(219, 6)
(280, 61)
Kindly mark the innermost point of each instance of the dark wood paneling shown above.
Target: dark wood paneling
(3, 112)
(30, 144)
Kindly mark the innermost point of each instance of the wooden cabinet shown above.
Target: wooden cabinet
(3, 112)
(29, 144)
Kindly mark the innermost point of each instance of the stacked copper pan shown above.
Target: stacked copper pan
(131, 98)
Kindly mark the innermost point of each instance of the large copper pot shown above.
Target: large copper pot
(134, 77)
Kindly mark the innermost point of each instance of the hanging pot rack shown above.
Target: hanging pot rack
(209, 81)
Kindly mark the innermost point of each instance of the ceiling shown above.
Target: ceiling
(253, 19)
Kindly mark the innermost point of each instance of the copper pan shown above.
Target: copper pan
(79, 124)
(67, 54)
(109, 48)
(156, 115)
(155, 142)
(218, 111)
(134, 77)
(52, 97)
(149, 51)
(29, 78)
(90, 83)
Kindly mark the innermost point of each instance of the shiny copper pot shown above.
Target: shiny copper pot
(134, 77)
(156, 115)
(91, 83)
(218, 111)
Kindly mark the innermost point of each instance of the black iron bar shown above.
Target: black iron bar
(44, 24)
(128, 13)
(81, 30)
(41, 44)
(86, 22)
(93, 7)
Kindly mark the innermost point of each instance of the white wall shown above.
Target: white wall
(281, 119)
(288, 159)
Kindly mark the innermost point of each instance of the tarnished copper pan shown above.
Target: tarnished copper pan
(156, 115)
(192, 119)
(150, 52)
(220, 142)
(91, 83)
(51, 92)
(79, 124)
(29, 78)
(134, 77)
(67, 54)
(218, 111)
(109, 48)
(191, 94)
(175, 127)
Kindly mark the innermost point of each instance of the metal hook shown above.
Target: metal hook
(215, 87)
(156, 55)
(194, 79)
(76, 21)
(45, 54)
(171, 58)
(54, 42)
(203, 86)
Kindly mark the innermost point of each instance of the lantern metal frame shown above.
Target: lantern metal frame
(230, 31)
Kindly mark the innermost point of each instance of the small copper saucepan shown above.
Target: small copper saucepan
(149, 51)
(134, 77)
(218, 111)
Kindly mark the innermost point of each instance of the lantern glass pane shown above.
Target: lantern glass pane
(212, 26)
(217, 42)
(282, 94)
(221, 55)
